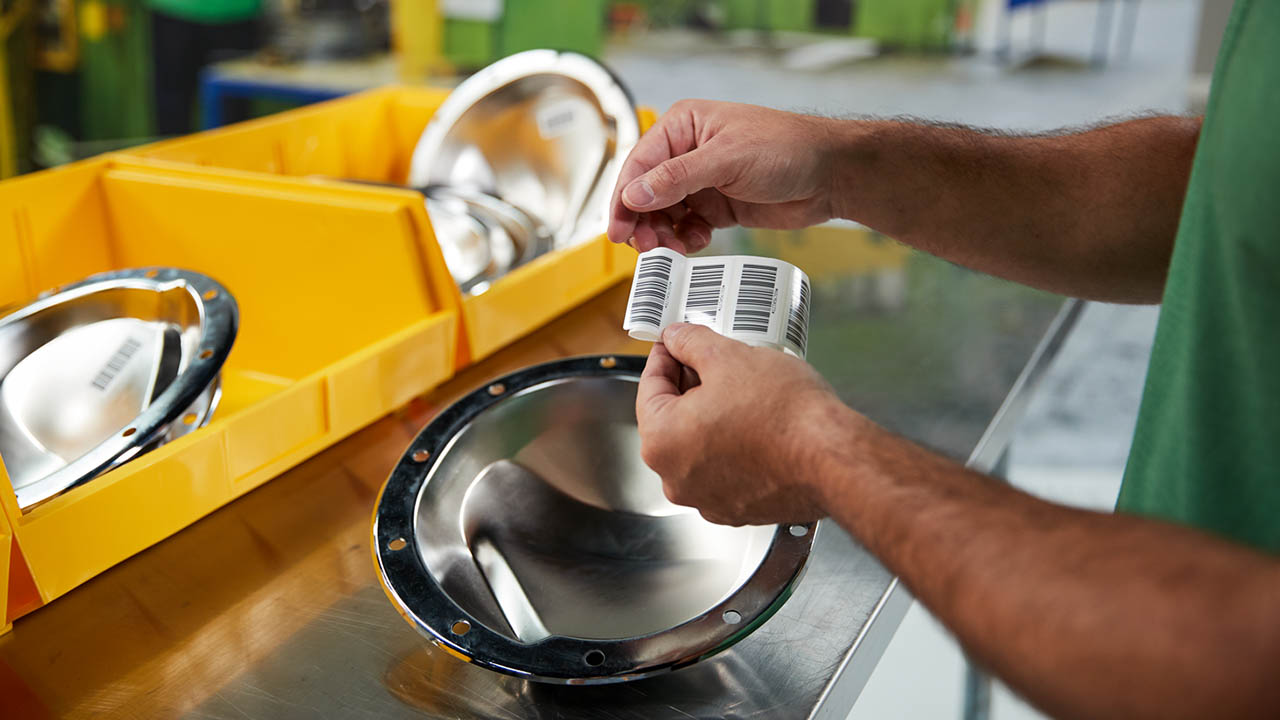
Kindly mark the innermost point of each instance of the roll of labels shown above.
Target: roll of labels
(760, 301)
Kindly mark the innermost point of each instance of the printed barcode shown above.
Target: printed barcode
(117, 362)
(755, 298)
(556, 120)
(653, 282)
(702, 303)
(798, 319)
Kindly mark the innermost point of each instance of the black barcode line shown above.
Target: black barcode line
(652, 283)
(116, 363)
(756, 288)
(798, 319)
(702, 301)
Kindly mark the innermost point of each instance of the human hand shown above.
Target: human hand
(712, 164)
(733, 430)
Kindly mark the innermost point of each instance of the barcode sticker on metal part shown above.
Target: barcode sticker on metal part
(759, 301)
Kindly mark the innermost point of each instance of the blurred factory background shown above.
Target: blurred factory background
(80, 77)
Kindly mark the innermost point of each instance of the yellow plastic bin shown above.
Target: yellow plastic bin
(371, 136)
(347, 311)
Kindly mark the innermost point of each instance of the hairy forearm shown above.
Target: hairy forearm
(1091, 214)
(1088, 615)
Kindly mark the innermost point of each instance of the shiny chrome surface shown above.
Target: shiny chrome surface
(105, 369)
(537, 543)
(271, 607)
(544, 130)
(482, 236)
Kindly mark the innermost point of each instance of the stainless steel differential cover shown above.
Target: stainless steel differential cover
(99, 371)
(522, 531)
(544, 130)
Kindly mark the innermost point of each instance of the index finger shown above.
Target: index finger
(672, 135)
(659, 383)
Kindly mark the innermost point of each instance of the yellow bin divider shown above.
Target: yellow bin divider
(346, 313)
(371, 136)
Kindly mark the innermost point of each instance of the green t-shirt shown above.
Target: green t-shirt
(1207, 447)
(208, 11)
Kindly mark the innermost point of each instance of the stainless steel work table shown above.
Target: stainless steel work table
(270, 607)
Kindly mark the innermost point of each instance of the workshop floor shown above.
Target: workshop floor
(1074, 442)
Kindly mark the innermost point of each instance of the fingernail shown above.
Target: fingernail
(639, 193)
(673, 330)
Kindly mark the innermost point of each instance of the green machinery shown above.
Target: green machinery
(107, 64)
(901, 23)
(15, 86)
(471, 41)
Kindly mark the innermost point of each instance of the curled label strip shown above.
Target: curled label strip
(760, 301)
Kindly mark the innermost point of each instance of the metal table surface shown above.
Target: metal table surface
(270, 608)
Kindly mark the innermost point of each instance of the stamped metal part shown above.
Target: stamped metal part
(484, 237)
(544, 130)
(99, 371)
(522, 532)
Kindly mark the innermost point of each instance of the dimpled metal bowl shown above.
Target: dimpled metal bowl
(107, 368)
(522, 531)
(544, 130)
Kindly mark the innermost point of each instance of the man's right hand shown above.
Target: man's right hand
(1091, 214)
(711, 164)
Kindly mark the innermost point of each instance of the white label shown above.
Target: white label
(759, 301)
(756, 307)
(704, 296)
(557, 119)
(486, 10)
(650, 289)
(798, 316)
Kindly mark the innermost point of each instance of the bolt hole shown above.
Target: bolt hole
(594, 658)
(206, 354)
(461, 627)
(799, 530)
(130, 432)
(733, 617)
(497, 389)
(421, 455)
(210, 294)
(152, 273)
(397, 544)
(190, 419)
(609, 363)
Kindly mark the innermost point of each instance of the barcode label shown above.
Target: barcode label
(705, 295)
(798, 319)
(118, 360)
(757, 288)
(650, 290)
(556, 120)
(761, 301)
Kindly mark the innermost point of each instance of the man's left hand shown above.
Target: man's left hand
(735, 431)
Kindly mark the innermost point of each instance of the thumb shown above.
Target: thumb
(676, 179)
(696, 346)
